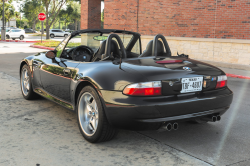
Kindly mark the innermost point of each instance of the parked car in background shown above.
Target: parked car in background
(27, 30)
(57, 32)
(69, 31)
(15, 33)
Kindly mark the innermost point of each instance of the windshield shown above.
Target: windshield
(93, 40)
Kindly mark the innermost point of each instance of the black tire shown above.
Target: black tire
(52, 35)
(104, 131)
(7, 37)
(13, 38)
(27, 94)
(21, 37)
(65, 35)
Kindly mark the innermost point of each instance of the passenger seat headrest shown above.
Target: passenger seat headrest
(149, 49)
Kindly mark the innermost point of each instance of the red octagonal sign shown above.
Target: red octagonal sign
(41, 16)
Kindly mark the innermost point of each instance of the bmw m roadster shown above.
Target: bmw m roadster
(103, 75)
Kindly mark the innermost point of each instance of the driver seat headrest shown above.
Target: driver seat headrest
(102, 48)
(149, 49)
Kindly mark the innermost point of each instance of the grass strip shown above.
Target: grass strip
(50, 43)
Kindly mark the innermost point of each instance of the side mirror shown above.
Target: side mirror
(50, 54)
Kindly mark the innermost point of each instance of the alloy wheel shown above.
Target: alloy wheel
(88, 114)
(25, 82)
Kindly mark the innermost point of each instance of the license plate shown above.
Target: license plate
(193, 84)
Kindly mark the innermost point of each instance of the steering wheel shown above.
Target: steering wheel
(82, 53)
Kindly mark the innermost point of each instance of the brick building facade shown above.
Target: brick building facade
(214, 30)
(179, 18)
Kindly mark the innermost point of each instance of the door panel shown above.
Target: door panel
(56, 77)
(37, 63)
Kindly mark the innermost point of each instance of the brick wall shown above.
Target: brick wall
(181, 18)
(90, 14)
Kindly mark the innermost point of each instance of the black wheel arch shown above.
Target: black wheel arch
(24, 62)
(83, 83)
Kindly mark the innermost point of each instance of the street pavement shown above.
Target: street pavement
(42, 132)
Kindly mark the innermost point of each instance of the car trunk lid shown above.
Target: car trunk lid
(172, 70)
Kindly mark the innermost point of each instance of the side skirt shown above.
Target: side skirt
(54, 99)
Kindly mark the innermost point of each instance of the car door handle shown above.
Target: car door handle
(66, 71)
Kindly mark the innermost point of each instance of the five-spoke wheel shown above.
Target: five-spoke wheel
(91, 117)
(25, 82)
(88, 114)
(26, 85)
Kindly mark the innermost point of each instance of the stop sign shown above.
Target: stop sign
(41, 16)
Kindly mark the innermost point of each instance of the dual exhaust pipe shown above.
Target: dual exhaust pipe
(171, 126)
(175, 125)
(212, 118)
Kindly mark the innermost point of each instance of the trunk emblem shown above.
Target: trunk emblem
(187, 68)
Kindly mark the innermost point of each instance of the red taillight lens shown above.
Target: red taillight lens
(143, 89)
(221, 81)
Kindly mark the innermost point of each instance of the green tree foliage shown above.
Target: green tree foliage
(64, 17)
(19, 23)
(74, 12)
(9, 10)
(31, 9)
(52, 9)
(102, 18)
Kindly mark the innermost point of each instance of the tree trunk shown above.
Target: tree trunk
(34, 25)
(59, 25)
(75, 25)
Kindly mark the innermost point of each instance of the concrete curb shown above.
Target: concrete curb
(228, 74)
(42, 47)
(20, 41)
(237, 76)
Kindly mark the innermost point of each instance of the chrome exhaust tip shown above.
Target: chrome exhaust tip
(168, 127)
(210, 118)
(175, 126)
(218, 118)
(214, 118)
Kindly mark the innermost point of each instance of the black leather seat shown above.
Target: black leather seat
(149, 48)
(101, 50)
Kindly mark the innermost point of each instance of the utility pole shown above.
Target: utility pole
(3, 29)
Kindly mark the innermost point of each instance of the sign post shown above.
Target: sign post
(41, 17)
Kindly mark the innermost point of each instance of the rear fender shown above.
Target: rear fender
(87, 82)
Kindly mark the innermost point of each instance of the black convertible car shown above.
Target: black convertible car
(103, 75)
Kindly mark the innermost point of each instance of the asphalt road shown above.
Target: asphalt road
(42, 132)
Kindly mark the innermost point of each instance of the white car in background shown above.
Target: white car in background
(58, 32)
(15, 33)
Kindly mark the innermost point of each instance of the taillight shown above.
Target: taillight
(143, 89)
(221, 81)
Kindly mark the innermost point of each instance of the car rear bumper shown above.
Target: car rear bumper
(123, 111)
